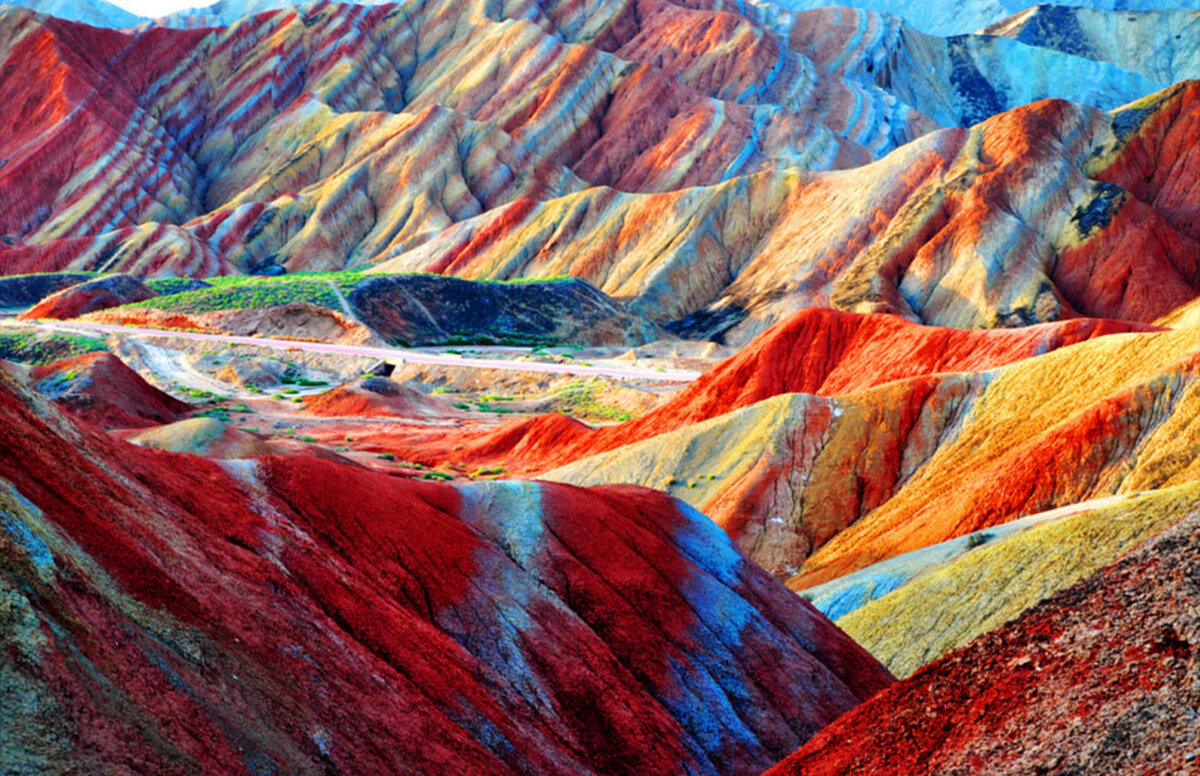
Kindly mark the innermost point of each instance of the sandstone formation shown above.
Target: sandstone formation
(377, 397)
(100, 389)
(170, 613)
(1100, 679)
(432, 154)
(90, 296)
(991, 579)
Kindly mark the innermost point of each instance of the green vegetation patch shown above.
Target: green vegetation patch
(32, 348)
(237, 292)
(581, 399)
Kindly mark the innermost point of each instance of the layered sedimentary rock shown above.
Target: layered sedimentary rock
(171, 613)
(100, 389)
(1111, 660)
(944, 596)
(965, 79)
(669, 155)
(955, 17)
(1159, 44)
(90, 296)
(821, 487)
(833, 420)
(377, 397)
(820, 352)
(1045, 212)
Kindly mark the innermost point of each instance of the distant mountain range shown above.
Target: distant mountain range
(673, 158)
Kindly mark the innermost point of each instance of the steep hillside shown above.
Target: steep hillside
(168, 613)
(89, 296)
(994, 578)
(668, 155)
(821, 487)
(962, 80)
(97, 13)
(957, 17)
(1099, 679)
(1163, 45)
(822, 352)
(959, 228)
(100, 389)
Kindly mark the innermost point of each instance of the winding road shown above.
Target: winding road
(391, 355)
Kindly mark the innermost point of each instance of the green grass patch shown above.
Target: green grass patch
(32, 348)
(581, 400)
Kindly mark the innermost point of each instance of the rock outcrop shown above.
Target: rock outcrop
(100, 389)
(377, 397)
(90, 296)
(671, 156)
(929, 602)
(169, 613)
(1112, 660)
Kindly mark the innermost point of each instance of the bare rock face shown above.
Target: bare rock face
(428, 309)
(1114, 658)
(100, 389)
(377, 397)
(90, 296)
(676, 158)
(168, 613)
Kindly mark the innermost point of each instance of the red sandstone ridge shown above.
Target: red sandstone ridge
(100, 389)
(293, 615)
(1099, 679)
(815, 351)
(376, 397)
(98, 294)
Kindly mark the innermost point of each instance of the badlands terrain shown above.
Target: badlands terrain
(600, 387)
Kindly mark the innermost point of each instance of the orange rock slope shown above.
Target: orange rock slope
(815, 351)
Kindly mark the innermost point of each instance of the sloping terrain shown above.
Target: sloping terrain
(406, 143)
(19, 291)
(980, 590)
(1160, 44)
(171, 614)
(90, 296)
(821, 487)
(405, 310)
(959, 228)
(427, 309)
(377, 397)
(822, 352)
(958, 17)
(100, 389)
(962, 80)
(1101, 678)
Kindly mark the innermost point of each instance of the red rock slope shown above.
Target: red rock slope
(100, 389)
(1103, 678)
(90, 296)
(171, 614)
(815, 351)
(676, 157)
